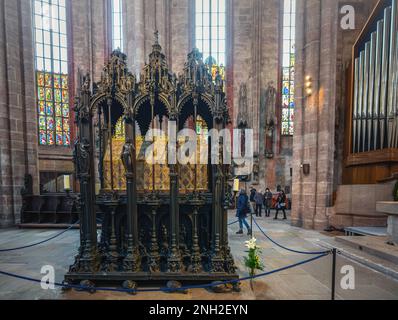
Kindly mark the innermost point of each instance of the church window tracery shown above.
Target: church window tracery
(288, 64)
(117, 25)
(51, 57)
(210, 34)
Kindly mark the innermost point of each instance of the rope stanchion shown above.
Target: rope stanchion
(41, 242)
(206, 286)
(286, 248)
(334, 260)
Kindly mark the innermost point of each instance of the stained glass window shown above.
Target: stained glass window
(210, 25)
(288, 63)
(51, 56)
(201, 127)
(120, 129)
(117, 25)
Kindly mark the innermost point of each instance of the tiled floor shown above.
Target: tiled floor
(310, 281)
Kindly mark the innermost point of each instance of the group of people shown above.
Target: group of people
(254, 204)
(258, 200)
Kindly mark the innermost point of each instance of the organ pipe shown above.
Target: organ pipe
(375, 92)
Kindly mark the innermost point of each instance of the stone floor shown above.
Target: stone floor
(308, 282)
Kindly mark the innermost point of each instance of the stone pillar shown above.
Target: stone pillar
(100, 36)
(143, 18)
(323, 51)
(315, 114)
(180, 33)
(135, 35)
(18, 117)
(89, 36)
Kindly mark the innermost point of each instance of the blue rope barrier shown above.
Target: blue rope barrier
(230, 224)
(41, 242)
(285, 248)
(206, 286)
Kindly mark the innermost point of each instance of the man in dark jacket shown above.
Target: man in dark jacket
(243, 208)
(259, 199)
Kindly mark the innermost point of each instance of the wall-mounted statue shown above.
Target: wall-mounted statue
(270, 101)
(256, 170)
(269, 121)
(242, 121)
(27, 189)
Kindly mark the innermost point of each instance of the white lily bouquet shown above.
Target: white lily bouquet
(252, 261)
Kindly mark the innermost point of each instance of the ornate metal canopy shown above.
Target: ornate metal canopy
(155, 226)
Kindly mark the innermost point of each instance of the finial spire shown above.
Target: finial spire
(156, 46)
(157, 37)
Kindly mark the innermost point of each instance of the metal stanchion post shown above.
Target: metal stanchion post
(251, 223)
(334, 274)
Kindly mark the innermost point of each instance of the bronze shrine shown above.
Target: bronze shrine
(161, 222)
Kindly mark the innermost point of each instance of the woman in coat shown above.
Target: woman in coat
(268, 202)
(281, 205)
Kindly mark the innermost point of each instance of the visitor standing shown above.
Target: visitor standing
(281, 205)
(268, 202)
(243, 209)
(259, 199)
(251, 198)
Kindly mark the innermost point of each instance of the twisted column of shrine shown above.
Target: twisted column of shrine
(132, 261)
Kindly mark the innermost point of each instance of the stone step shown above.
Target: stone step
(375, 246)
(348, 250)
(366, 231)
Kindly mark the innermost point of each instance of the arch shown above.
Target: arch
(101, 98)
(141, 100)
(145, 118)
(207, 99)
(204, 110)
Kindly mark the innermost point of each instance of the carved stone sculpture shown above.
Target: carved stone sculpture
(242, 115)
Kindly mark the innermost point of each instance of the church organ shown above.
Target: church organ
(373, 153)
(375, 86)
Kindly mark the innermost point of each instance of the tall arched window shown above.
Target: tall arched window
(51, 57)
(117, 25)
(210, 34)
(288, 63)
